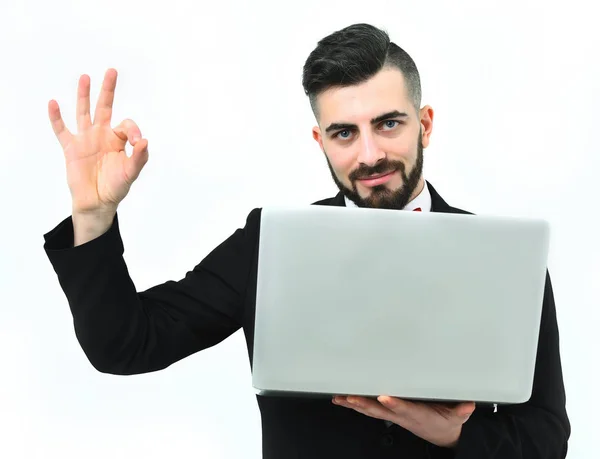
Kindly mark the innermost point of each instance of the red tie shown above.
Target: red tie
(418, 209)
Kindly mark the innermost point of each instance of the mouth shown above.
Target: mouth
(375, 180)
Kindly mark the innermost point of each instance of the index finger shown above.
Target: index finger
(103, 112)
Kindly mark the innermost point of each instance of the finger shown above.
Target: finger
(103, 112)
(367, 407)
(397, 405)
(406, 408)
(83, 103)
(128, 131)
(464, 410)
(58, 125)
(136, 162)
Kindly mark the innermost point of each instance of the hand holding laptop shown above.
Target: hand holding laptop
(440, 424)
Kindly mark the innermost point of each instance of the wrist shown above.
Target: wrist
(90, 225)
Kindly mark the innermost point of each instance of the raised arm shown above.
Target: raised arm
(122, 330)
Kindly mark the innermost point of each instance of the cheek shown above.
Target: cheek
(341, 161)
(398, 149)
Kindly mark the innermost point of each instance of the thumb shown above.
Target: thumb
(138, 159)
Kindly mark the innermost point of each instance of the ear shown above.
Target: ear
(316, 133)
(426, 116)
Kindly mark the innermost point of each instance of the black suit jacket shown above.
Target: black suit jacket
(126, 332)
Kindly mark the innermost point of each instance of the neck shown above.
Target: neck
(418, 189)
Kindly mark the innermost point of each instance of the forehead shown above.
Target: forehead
(384, 92)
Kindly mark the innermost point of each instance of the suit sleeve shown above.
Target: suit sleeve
(123, 331)
(537, 429)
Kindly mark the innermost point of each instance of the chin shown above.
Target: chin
(379, 189)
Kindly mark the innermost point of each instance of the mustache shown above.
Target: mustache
(382, 167)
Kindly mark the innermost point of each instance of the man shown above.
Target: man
(365, 93)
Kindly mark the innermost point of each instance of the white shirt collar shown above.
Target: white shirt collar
(423, 200)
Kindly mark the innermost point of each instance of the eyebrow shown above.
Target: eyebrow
(377, 119)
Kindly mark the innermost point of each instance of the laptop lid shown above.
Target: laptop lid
(372, 302)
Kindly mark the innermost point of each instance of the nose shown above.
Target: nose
(370, 153)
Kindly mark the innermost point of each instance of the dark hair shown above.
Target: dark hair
(353, 55)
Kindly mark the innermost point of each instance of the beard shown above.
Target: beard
(382, 197)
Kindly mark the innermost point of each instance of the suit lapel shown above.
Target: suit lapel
(338, 200)
(437, 202)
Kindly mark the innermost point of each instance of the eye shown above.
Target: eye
(390, 124)
(345, 134)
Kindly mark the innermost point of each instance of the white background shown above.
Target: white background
(217, 91)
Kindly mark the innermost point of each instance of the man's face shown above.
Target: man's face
(373, 140)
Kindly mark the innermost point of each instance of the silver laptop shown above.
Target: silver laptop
(425, 306)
